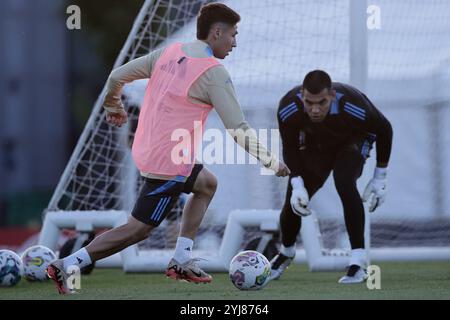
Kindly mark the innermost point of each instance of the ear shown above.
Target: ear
(216, 31)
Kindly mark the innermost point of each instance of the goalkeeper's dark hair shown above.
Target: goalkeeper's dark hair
(212, 13)
(316, 81)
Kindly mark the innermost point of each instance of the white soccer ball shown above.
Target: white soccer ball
(249, 270)
(35, 260)
(11, 268)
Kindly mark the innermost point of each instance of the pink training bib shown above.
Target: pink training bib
(170, 126)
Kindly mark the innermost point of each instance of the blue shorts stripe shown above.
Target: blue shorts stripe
(157, 208)
(163, 207)
(163, 188)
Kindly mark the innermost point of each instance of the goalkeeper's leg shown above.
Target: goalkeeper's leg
(290, 224)
(348, 168)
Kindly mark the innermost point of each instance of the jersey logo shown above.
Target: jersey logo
(169, 67)
(288, 111)
(355, 111)
(301, 140)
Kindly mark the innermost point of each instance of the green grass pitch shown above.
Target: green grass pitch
(429, 280)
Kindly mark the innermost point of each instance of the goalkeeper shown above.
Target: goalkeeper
(185, 83)
(330, 127)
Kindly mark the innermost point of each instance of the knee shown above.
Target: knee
(209, 186)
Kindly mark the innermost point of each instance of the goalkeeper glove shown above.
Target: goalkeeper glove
(376, 189)
(299, 197)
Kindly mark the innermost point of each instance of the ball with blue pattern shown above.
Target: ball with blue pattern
(11, 268)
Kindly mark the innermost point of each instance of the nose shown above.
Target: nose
(315, 109)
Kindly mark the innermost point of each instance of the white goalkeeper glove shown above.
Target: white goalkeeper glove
(299, 198)
(376, 189)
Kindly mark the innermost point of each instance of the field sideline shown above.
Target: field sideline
(430, 280)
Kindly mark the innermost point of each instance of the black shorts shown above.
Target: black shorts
(316, 166)
(158, 197)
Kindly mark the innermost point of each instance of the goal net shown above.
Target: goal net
(405, 70)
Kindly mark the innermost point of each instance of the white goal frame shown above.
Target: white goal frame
(317, 258)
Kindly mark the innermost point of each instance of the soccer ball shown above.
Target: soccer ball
(35, 260)
(249, 270)
(11, 268)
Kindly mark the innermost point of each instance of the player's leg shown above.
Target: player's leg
(348, 168)
(172, 226)
(203, 191)
(115, 240)
(103, 246)
(203, 184)
(156, 199)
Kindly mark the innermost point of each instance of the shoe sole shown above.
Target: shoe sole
(356, 282)
(51, 272)
(352, 281)
(173, 275)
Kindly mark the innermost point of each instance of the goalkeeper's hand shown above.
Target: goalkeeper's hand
(299, 197)
(117, 118)
(376, 190)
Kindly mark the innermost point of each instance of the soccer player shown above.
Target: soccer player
(330, 127)
(185, 83)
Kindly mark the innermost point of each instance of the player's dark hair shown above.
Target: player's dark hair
(212, 13)
(316, 81)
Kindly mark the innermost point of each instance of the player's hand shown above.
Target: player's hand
(283, 170)
(299, 197)
(376, 189)
(117, 119)
(277, 166)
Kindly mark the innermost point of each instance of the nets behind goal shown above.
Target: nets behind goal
(406, 72)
